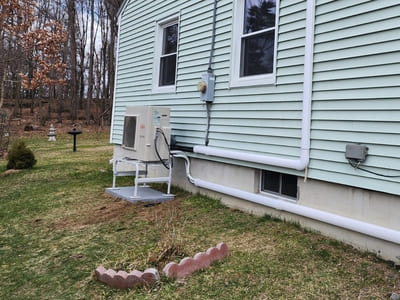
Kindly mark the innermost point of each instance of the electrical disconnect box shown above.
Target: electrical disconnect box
(356, 152)
(206, 87)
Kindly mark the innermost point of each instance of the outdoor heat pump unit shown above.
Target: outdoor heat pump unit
(146, 134)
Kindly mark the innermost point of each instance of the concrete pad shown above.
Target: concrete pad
(144, 194)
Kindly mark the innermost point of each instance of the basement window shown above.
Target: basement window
(279, 184)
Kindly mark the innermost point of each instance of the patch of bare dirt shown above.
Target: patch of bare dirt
(105, 213)
(114, 210)
(9, 172)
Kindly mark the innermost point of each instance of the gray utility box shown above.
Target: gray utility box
(356, 152)
(207, 94)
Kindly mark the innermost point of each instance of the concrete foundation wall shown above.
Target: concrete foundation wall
(367, 206)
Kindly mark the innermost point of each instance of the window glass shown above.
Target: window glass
(289, 185)
(167, 70)
(166, 55)
(279, 183)
(258, 38)
(258, 54)
(259, 15)
(170, 39)
(271, 181)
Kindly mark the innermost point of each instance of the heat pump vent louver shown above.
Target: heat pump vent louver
(129, 131)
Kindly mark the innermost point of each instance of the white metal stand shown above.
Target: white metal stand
(141, 168)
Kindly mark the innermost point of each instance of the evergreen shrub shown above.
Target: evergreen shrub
(20, 157)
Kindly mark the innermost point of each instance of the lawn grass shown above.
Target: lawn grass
(57, 225)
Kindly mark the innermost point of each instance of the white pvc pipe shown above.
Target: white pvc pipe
(372, 230)
(297, 164)
(376, 231)
(302, 162)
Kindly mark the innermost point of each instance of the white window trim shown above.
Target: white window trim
(235, 79)
(160, 25)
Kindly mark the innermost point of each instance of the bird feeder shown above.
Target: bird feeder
(74, 133)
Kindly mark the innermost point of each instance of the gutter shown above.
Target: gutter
(302, 162)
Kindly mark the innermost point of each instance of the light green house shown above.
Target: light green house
(305, 120)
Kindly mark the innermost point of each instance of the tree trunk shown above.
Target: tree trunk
(91, 63)
(83, 27)
(3, 80)
(72, 43)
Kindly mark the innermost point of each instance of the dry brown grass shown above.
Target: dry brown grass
(58, 225)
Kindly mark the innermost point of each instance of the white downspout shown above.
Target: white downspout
(302, 162)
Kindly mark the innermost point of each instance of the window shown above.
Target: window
(166, 54)
(254, 43)
(279, 183)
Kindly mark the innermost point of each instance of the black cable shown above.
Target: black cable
(213, 37)
(208, 108)
(168, 147)
(170, 162)
(210, 71)
(355, 165)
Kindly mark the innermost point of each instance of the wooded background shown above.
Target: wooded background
(58, 56)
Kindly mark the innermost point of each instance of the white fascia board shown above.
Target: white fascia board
(122, 8)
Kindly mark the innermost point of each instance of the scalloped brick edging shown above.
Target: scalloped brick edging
(123, 280)
(201, 260)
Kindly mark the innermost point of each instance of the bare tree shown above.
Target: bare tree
(88, 54)
(15, 19)
(82, 39)
(93, 33)
(73, 64)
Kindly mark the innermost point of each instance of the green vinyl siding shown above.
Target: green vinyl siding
(261, 119)
(356, 84)
(356, 91)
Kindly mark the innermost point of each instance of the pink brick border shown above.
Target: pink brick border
(123, 280)
(201, 260)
